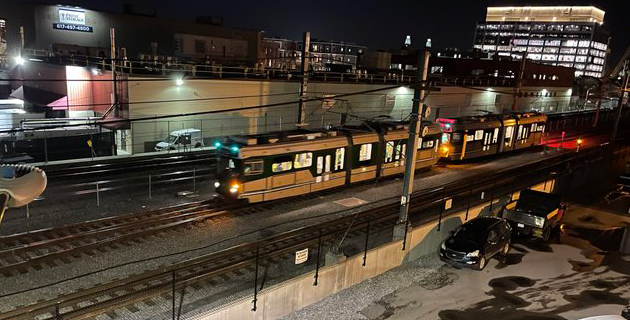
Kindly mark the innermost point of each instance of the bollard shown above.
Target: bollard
(150, 186)
(98, 196)
(194, 179)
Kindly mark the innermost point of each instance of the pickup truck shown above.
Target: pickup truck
(534, 214)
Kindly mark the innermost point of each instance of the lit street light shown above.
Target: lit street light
(19, 60)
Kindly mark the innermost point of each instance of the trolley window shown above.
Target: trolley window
(280, 164)
(303, 160)
(389, 151)
(478, 134)
(365, 153)
(253, 167)
(339, 157)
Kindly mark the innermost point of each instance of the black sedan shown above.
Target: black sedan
(476, 241)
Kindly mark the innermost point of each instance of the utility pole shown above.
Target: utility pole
(624, 88)
(415, 122)
(304, 82)
(519, 82)
(22, 42)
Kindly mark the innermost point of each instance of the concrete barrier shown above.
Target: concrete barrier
(295, 294)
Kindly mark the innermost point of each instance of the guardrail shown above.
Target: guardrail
(217, 71)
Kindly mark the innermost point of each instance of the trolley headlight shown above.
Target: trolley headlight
(234, 188)
(473, 254)
(217, 184)
(443, 246)
(540, 222)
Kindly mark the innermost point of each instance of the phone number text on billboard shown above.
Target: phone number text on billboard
(72, 27)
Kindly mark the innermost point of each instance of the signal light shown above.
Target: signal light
(217, 144)
(234, 149)
(579, 141)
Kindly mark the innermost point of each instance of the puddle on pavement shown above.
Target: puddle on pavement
(595, 245)
(511, 283)
(590, 298)
(509, 260)
(503, 305)
(590, 219)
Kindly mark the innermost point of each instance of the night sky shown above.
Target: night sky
(378, 25)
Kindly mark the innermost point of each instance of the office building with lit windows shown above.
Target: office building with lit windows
(280, 53)
(571, 37)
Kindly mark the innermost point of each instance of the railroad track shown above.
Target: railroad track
(90, 302)
(124, 165)
(20, 252)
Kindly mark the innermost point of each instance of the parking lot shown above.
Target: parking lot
(578, 274)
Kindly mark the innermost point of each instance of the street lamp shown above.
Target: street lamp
(588, 92)
(19, 60)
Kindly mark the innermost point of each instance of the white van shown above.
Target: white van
(186, 138)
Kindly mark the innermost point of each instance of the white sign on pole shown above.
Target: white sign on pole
(482, 194)
(448, 203)
(301, 256)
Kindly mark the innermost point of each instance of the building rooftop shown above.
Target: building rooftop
(546, 14)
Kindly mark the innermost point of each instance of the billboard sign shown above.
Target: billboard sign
(72, 16)
(72, 20)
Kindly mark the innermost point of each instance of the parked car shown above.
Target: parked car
(181, 138)
(476, 241)
(535, 213)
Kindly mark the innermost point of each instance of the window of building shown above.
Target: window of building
(549, 57)
(566, 58)
(495, 136)
(303, 160)
(365, 153)
(584, 44)
(253, 167)
(570, 43)
(437, 69)
(568, 50)
(551, 50)
(340, 154)
(200, 46)
(534, 56)
(580, 59)
(553, 43)
(478, 134)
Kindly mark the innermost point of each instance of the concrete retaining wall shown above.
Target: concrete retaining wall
(282, 299)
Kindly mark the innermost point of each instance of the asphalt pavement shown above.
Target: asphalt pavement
(577, 275)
